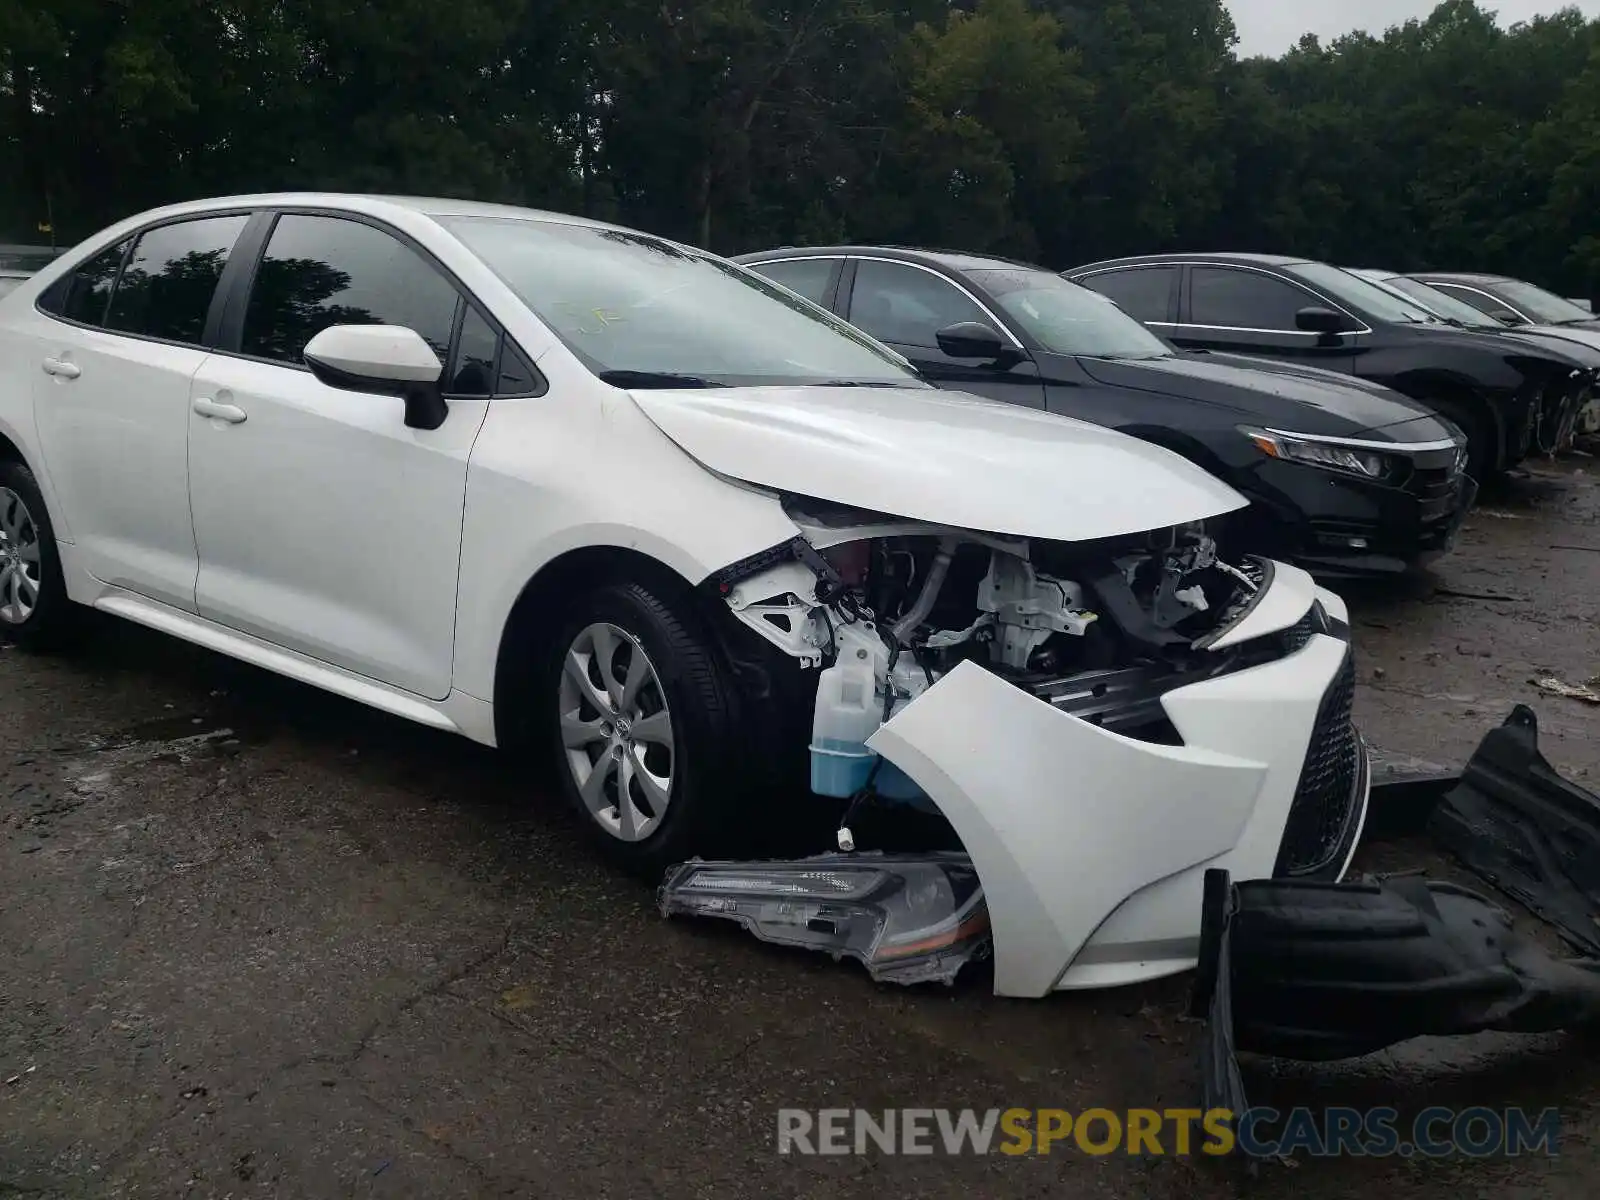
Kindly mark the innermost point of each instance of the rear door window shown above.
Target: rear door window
(1144, 293)
(82, 294)
(170, 279)
(811, 277)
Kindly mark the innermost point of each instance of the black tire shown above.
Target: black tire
(708, 757)
(1483, 442)
(52, 623)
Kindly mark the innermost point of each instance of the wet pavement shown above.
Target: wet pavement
(255, 941)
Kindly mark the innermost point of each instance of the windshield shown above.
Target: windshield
(1361, 294)
(1066, 318)
(1446, 305)
(644, 312)
(1546, 308)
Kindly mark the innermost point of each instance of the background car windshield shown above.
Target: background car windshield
(1358, 293)
(1066, 318)
(624, 301)
(1544, 307)
(1446, 305)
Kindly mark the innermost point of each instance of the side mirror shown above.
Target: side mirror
(970, 339)
(389, 360)
(1506, 317)
(1316, 319)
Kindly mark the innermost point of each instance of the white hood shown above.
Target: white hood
(942, 457)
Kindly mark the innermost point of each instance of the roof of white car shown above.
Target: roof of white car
(373, 204)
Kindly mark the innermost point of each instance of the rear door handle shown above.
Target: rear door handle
(61, 368)
(231, 413)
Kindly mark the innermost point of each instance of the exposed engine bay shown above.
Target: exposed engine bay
(882, 608)
(1086, 725)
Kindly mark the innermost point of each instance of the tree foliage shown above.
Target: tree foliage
(1058, 130)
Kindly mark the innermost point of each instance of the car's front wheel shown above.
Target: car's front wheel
(35, 611)
(643, 717)
(1483, 450)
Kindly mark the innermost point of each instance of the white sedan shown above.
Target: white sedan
(558, 485)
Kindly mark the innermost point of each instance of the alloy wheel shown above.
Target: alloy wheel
(616, 731)
(19, 560)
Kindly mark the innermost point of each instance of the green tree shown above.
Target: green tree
(1059, 130)
(988, 141)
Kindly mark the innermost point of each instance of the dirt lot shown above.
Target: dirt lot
(255, 941)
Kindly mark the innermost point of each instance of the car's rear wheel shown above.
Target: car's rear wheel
(642, 717)
(35, 611)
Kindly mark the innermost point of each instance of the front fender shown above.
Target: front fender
(549, 476)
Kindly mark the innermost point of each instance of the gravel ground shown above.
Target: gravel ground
(258, 942)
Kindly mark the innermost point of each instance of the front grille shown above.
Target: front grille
(1326, 799)
(1297, 635)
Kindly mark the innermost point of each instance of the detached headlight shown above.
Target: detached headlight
(1369, 464)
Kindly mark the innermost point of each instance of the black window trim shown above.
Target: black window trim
(239, 299)
(1000, 326)
(129, 241)
(1174, 286)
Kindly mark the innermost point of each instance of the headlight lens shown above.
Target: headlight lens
(1369, 464)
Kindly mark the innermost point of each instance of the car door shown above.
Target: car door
(324, 524)
(905, 305)
(1244, 310)
(120, 339)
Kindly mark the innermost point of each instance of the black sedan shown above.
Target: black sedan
(1583, 344)
(1344, 477)
(1496, 389)
(1511, 301)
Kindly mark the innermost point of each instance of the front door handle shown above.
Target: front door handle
(231, 413)
(61, 368)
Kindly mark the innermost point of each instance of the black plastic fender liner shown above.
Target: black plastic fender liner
(1222, 1086)
(1319, 972)
(1516, 822)
(1405, 792)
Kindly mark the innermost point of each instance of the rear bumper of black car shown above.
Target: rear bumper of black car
(1333, 523)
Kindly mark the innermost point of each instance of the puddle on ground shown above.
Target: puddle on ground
(160, 729)
(95, 771)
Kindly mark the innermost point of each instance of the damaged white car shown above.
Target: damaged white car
(549, 483)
